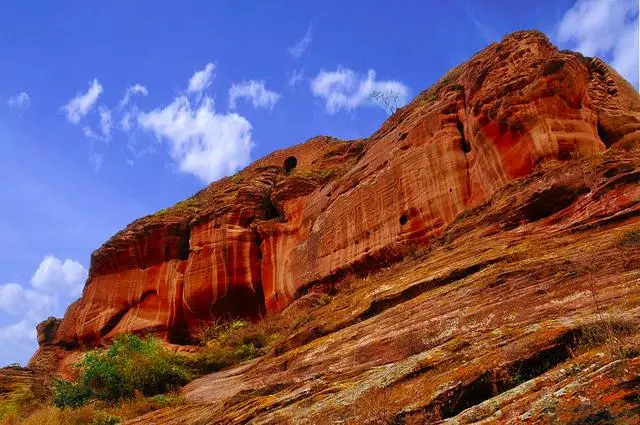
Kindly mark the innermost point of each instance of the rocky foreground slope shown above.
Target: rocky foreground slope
(512, 182)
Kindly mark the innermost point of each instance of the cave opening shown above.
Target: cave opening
(290, 164)
(604, 135)
(403, 219)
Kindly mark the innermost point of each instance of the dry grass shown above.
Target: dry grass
(612, 333)
(16, 403)
(375, 408)
(226, 343)
(97, 413)
(630, 239)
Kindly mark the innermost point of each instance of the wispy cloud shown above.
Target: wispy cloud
(295, 78)
(483, 29)
(136, 89)
(106, 122)
(89, 133)
(78, 107)
(345, 89)
(96, 160)
(201, 80)
(606, 28)
(255, 92)
(21, 100)
(302, 45)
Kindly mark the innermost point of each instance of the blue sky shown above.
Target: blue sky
(113, 110)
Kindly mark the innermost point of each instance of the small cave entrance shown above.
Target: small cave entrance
(290, 164)
(403, 219)
(270, 211)
(604, 135)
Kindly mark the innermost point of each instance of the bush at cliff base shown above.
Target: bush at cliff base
(129, 365)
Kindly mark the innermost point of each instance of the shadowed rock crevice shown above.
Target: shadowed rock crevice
(269, 209)
(495, 382)
(548, 202)
(183, 245)
(465, 145)
(605, 136)
(257, 282)
(113, 321)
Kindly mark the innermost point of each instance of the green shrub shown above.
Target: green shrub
(227, 343)
(127, 366)
(70, 394)
(165, 400)
(246, 351)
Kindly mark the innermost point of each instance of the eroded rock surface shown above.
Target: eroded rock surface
(505, 319)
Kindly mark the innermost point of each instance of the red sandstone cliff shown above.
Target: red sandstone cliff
(247, 245)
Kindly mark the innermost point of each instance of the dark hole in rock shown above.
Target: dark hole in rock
(289, 164)
(241, 302)
(183, 244)
(271, 212)
(403, 219)
(403, 135)
(259, 245)
(466, 146)
(604, 136)
(548, 202)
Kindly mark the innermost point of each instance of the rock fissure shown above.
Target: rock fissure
(494, 382)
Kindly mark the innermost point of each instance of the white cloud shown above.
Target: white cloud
(33, 305)
(20, 332)
(136, 89)
(201, 80)
(56, 276)
(344, 88)
(78, 107)
(299, 49)
(126, 121)
(201, 142)
(20, 101)
(106, 121)
(606, 28)
(54, 281)
(254, 91)
(296, 77)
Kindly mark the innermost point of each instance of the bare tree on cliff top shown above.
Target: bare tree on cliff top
(388, 99)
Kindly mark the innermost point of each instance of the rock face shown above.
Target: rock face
(303, 217)
(525, 311)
